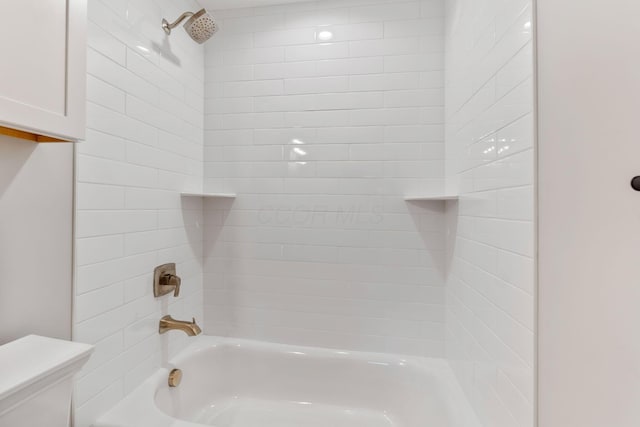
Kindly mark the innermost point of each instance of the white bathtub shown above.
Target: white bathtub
(239, 383)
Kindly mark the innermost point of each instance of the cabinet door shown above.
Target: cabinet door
(42, 67)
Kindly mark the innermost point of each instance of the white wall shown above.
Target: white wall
(144, 145)
(36, 212)
(589, 99)
(321, 140)
(490, 160)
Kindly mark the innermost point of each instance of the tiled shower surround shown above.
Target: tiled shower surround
(143, 146)
(490, 155)
(322, 116)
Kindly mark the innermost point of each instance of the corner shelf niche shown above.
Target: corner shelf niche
(432, 198)
(209, 195)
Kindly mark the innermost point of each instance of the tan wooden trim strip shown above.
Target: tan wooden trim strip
(33, 137)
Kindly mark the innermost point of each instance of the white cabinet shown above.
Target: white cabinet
(43, 69)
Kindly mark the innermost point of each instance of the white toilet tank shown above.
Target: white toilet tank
(36, 381)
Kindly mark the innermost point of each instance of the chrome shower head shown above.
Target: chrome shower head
(200, 25)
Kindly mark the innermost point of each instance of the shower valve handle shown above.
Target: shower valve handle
(172, 281)
(166, 280)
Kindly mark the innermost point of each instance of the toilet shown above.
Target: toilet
(36, 380)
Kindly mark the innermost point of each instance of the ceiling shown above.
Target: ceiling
(234, 4)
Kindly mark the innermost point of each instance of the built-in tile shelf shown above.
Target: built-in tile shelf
(432, 198)
(210, 195)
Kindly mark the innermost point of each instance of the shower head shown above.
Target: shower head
(200, 26)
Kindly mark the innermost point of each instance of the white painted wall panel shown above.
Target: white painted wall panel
(589, 96)
(36, 213)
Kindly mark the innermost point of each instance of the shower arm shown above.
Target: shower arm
(167, 27)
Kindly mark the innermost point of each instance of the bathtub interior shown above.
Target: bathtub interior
(250, 385)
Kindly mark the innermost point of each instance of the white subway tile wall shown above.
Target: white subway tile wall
(490, 159)
(144, 145)
(322, 116)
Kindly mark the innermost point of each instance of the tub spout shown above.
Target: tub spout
(168, 323)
